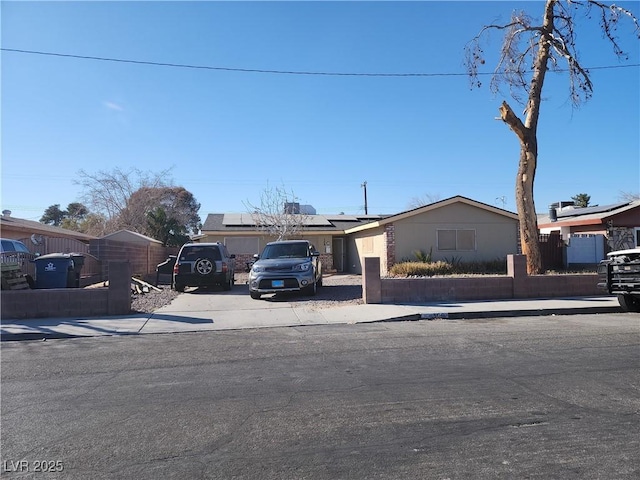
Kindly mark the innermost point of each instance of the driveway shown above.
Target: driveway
(337, 290)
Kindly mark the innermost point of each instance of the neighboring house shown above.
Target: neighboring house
(41, 238)
(241, 235)
(456, 228)
(599, 229)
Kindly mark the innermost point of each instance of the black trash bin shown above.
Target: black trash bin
(78, 261)
(165, 268)
(58, 270)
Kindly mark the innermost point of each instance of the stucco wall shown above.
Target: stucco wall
(496, 235)
(369, 243)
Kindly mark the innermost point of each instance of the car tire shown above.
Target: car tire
(205, 266)
(629, 303)
(178, 287)
(228, 284)
(255, 295)
(320, 281)
(312, 289)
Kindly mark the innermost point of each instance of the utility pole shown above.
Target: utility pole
(364, 185)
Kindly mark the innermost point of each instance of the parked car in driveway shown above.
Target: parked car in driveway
(286, 266)
(203, 265)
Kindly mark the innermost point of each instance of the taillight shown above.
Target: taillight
(176, 268)
(225, 269)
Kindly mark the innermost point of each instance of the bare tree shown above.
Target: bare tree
(426, 199)
(528, 51)
(629, 196)
(278, 213)
(108, 192)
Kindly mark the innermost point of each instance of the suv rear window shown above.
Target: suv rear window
(191, 254)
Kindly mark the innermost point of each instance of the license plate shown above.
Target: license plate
(277, 283)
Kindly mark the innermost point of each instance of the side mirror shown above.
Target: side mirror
(233, 255)
(315, 254)
(256, 256)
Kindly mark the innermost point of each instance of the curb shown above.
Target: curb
(44, 336)
(501, 314)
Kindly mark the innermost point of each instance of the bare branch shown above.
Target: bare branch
(277, 214)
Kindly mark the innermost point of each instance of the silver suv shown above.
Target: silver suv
(204, 265)
(286, 266)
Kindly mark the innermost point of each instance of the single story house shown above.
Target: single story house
(41, 238)
(243, 236)
(456, 227)
(618, 224)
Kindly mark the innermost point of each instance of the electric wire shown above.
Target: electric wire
(278, 72)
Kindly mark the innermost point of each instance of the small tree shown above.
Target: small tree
(53, 215)
(581, 200)
(166, 229)
(178, 204)
(277, 215)
(529, 49)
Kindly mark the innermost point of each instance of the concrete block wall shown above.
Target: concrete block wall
(143, 258)
(516, 284)
(72, 302)
(413, 290)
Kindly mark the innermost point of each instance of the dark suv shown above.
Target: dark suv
(203, 265)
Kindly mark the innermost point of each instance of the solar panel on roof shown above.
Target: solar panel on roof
(590, 210)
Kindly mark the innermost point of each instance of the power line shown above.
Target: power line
(278, 72)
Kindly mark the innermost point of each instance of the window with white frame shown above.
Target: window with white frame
(456, 240)
(637, 236)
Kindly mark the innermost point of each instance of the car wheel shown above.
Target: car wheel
(312, 289)
(228, 284)
(205, 266)
(629, 303)
(179, 287)
(255, 295)
(320, 281)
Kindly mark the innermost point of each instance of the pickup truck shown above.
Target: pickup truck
(620, 275)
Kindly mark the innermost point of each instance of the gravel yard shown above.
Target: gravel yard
(337, 290)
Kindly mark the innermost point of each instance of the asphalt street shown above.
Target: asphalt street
(502, 398)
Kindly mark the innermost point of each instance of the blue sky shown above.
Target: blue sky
(230, 135)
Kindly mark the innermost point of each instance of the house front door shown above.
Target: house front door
(339, 254)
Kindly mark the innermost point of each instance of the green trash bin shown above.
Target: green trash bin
(57, 270)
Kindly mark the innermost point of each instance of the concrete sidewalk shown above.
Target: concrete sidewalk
(177, 317)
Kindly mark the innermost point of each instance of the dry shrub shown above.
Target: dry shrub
(420, 269)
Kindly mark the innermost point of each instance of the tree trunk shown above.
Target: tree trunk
(526, 208)
(524, 189)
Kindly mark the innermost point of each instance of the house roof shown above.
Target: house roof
(29, 227)
(434, 206)
(134, 235)
(245, 222)
(596, 215)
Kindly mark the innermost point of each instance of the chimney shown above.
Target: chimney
(291, 207)
(6, 213)
(553, 214)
